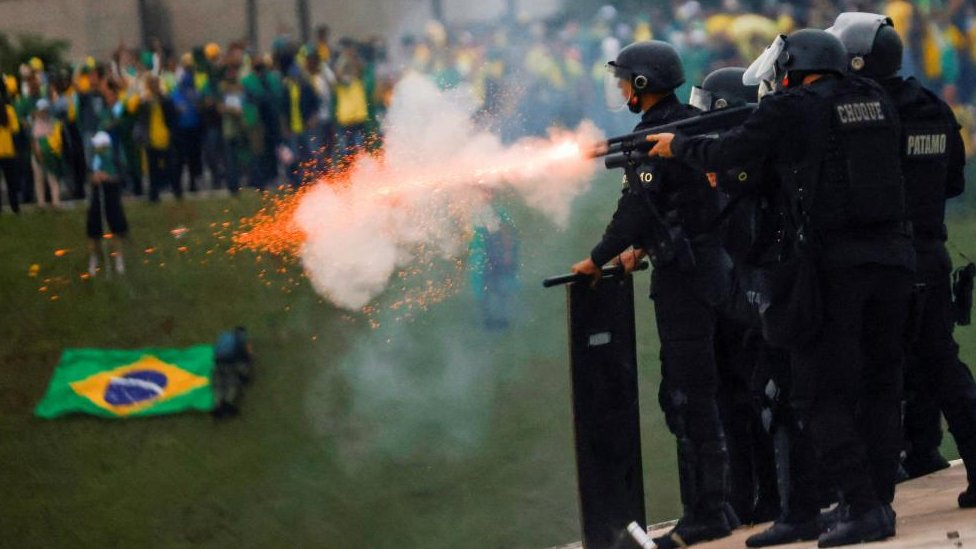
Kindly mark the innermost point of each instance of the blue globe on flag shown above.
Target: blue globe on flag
(135, 387)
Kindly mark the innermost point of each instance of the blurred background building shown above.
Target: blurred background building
(98, 27)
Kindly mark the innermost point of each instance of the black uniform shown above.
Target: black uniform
(755, 414)
(834, 147)
(933, 162)
(686, 292)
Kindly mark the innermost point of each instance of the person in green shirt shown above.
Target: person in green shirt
(47, 147)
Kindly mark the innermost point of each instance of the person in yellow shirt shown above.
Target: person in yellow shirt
(9, 161)
(322, 44)
(352, 107)
(157, 123)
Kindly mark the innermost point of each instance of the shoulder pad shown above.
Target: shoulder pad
(922, 103)
(682, 113)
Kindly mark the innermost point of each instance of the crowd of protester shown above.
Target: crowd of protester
(227, 116)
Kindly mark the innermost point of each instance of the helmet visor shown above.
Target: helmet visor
(764, 67)
(701, 99)
(617, 90)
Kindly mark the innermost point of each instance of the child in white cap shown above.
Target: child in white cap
(106, 196)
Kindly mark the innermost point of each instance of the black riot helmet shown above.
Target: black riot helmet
(652, 66)
(723, 88)
(874, 49)
(789, 58)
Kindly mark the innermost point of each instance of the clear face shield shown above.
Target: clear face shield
(706, 101)
(763, 69)
(616, 90)
(700, 99)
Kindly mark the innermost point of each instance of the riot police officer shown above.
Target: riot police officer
(666, 211)
(833, 141)
(739, 345)
(932, 163)
(776, 451)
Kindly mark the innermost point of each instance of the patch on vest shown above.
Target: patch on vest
(860, 113)
(925, 144)
(645, 177)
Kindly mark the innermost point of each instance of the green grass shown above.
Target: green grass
(424, 432)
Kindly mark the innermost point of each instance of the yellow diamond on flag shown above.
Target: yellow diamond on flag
(137, 386)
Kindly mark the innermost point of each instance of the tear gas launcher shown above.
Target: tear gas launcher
(619, 150)
(665, 241)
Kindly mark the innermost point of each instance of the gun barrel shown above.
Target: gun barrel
(615, 161)
(600, 149)
(714, 121)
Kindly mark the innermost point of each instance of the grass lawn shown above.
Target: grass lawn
(419, 432)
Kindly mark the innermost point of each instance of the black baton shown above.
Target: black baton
(568, 278)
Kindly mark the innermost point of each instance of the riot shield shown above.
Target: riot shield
(606, 415)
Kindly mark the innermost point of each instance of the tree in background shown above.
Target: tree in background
(14, 52)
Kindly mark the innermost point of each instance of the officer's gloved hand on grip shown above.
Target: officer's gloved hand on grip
(589, 268)
(662, 145)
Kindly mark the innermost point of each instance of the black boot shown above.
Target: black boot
(830, 519)
(703, 479)
(714, 482)
(922, 428)
(919, 465)
(691, 530)
(765, 511)
(782, 532)
(892, 517)
(902, 475)
(873, 525)
(967, 499)
(731, 516)
(961, 417)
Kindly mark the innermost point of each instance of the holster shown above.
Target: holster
(962, 294)
(671, 246)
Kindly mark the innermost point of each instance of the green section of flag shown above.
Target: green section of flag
(130, 383)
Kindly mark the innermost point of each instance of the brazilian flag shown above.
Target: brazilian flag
(130, 383)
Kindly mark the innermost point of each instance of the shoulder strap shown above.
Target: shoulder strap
(726, 212)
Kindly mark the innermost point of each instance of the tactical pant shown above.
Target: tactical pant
(935, 377)
(753, 494)
(685, 305)
(800, 490)
(847, 383)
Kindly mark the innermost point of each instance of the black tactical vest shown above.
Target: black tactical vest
(860, 187)
(926, 129)
(681, 193)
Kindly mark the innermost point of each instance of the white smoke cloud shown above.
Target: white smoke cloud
(436, 173)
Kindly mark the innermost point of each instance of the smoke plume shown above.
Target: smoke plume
(417, 201)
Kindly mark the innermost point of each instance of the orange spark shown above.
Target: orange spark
(273, 228)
